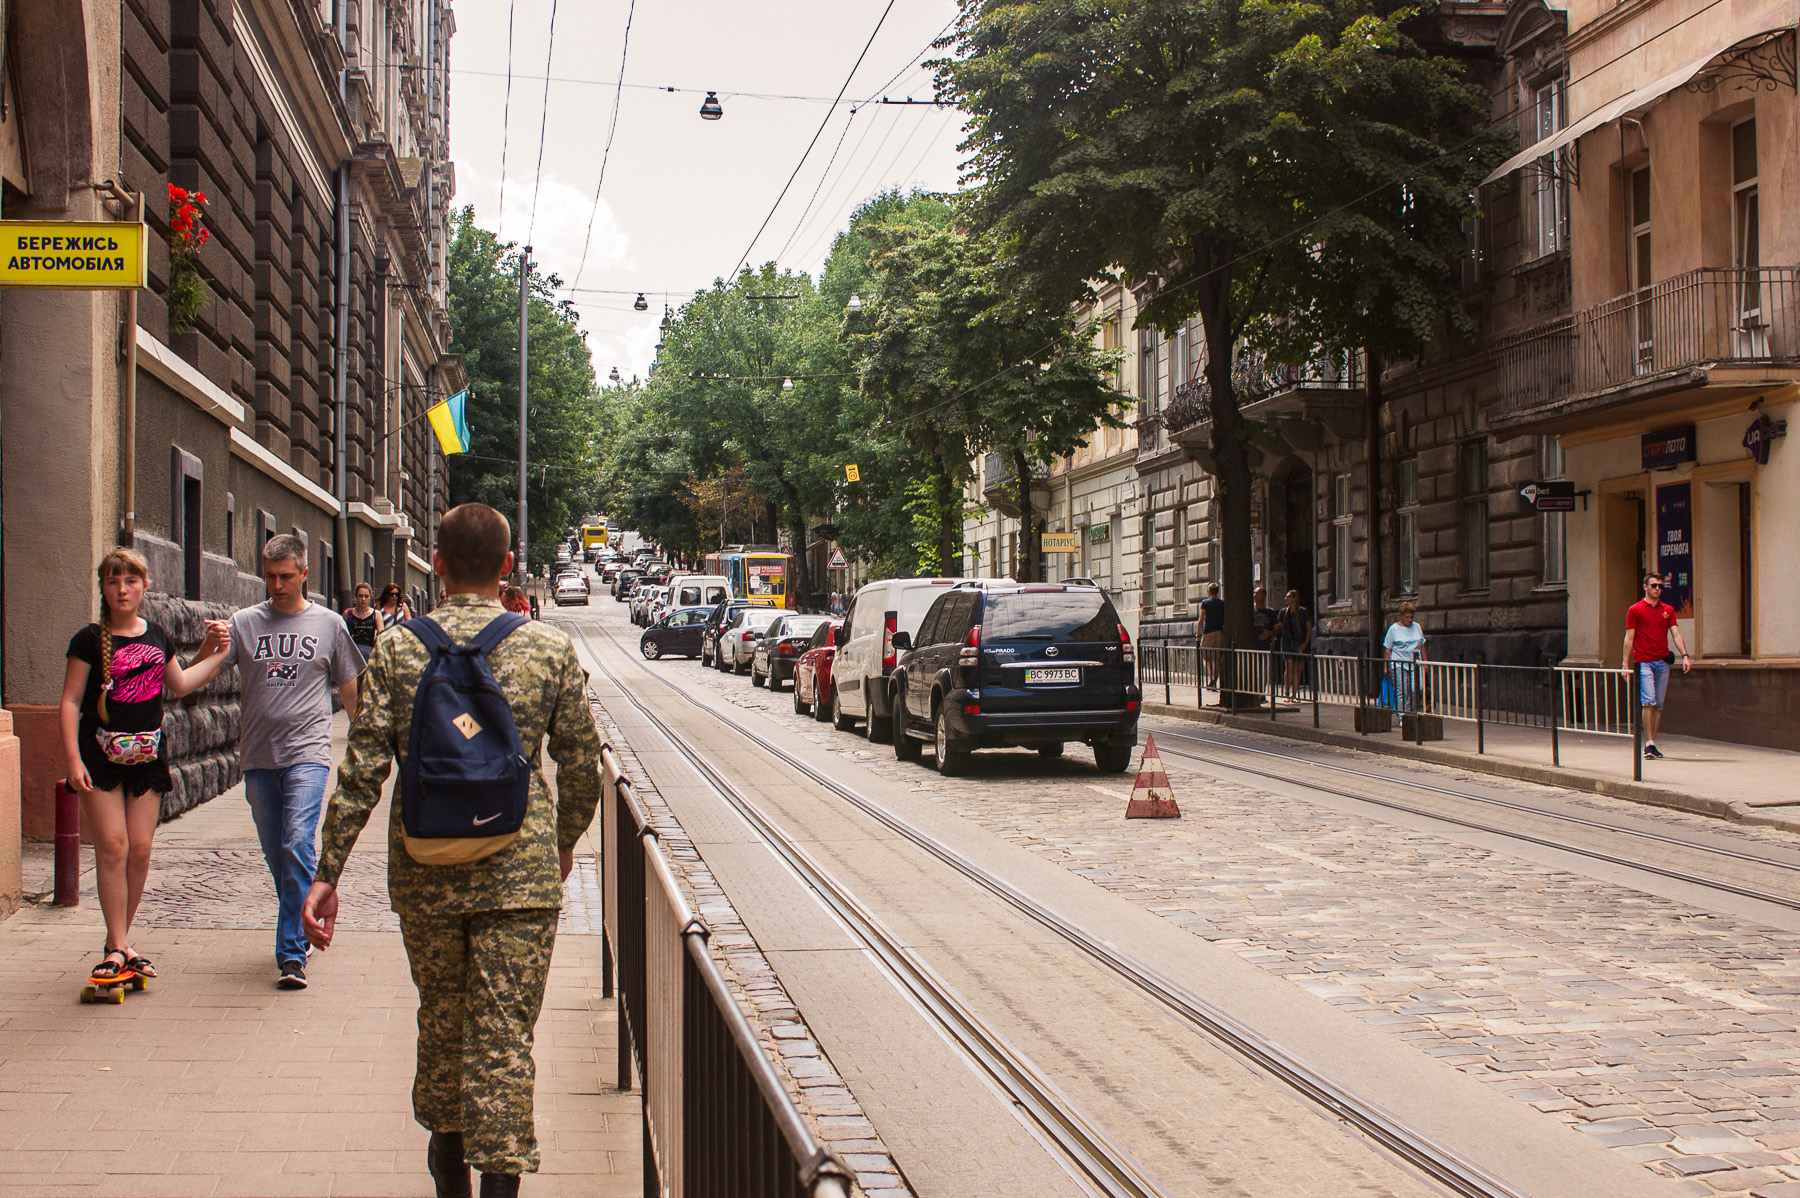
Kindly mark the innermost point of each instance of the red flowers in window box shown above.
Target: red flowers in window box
(186, 292)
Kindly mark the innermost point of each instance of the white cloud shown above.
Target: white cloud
(560, 227)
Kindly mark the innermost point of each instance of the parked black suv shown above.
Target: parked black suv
(998, 664)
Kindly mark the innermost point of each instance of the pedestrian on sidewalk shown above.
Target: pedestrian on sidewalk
(290, 653)
(363, 620)
(393, 606)
(1404, 649)
(112, 714)
(1648, 623)
(515, 601)
(1211, 630)
(478, 935)
(1293, 634)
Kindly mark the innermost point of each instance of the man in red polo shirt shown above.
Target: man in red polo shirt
(1648, 624)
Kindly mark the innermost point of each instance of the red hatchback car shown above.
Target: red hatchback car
(812, 673)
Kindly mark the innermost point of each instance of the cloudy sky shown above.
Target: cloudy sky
(683, 197)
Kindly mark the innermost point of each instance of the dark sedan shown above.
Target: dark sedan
(717, 619)
(774, 656)
(676, 632)
(812, 673)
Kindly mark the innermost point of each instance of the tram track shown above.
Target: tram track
(1561, 844)
(1435, 1160)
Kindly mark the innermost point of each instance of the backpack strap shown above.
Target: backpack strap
(497, 630)
(429, 631)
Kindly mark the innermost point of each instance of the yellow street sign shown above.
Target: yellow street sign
(852, 474)
(1061, 542)
(73, 255)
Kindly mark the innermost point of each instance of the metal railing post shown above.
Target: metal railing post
(1272, 664)
(1556, 716)
(1418, 703)
(1480, 703)
(1362, 693)
(1168, 671)
(1315, 681)
(1637, 723)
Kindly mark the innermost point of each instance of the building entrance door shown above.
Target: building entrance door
(1291, 533)
(1622, 567)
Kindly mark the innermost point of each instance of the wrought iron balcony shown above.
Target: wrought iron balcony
(1255, 379)
(1719, 329)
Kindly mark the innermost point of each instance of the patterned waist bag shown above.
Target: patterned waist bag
(130, 748)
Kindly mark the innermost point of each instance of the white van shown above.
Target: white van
(696, 590)
(865, 653)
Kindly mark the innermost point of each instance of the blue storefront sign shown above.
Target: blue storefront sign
(1675, 546)
(1668, 447)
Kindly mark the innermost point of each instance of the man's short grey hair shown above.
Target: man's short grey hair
(283, 546)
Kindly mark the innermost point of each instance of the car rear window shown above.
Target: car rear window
(803, 625)
(1049, 616)
(760, 618)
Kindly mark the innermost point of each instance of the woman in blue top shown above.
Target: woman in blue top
(1404, 647)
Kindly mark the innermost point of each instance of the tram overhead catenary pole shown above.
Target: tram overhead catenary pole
(520, 567)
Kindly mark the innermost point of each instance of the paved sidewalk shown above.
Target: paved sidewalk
(214, 1083)
(1744, 783)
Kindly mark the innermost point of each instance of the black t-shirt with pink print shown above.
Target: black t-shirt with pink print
(135, 703)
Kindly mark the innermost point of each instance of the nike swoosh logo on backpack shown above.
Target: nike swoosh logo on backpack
(488, 819)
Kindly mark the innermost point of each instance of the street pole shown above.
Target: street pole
(524, 416)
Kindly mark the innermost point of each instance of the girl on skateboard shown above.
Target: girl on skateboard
(112, 712)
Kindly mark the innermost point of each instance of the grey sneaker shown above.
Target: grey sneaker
(293, 975)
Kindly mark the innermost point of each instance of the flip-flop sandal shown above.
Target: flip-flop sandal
(140, 965)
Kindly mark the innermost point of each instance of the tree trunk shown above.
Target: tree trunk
(1231, 477)
(772, 514)
(949, 520)
(1028, 544)
(800, 585)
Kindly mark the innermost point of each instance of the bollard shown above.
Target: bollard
(68, 846)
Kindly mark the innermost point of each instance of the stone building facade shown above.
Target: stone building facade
(292, 403)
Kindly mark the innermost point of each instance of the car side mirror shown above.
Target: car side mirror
(903, 640)
(831, 637)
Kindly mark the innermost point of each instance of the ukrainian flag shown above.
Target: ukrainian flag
(450, 424)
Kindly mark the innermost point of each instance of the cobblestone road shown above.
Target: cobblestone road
(1666, 1032)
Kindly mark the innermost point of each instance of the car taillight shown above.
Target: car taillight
(971, 650)
(971, 709)
(887, 642)
(787, 650)
(1131, 705)
(1126, 653)
(749, 636)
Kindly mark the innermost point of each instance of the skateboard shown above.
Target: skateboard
(112, 989)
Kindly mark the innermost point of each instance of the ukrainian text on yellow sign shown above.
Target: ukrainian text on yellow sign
(75, 255)
(1062, 542)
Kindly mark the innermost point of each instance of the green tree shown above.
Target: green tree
(1289, 173)
(963, 369)
(566, 417)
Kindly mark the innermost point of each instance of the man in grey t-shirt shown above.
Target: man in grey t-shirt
(289, 652)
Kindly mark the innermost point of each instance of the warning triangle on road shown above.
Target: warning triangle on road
(1151, 797)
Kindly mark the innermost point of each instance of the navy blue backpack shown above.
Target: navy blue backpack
(466, 780)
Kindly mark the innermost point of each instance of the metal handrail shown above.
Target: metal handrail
(717, 1121)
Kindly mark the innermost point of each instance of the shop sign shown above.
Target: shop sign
(1669, 447)
(1099, 532)
(1675, 546)
(74, 255)
(1554, 496)
(1061, 542)
(1760, 435)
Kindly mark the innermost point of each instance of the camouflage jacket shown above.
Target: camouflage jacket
(537, 669)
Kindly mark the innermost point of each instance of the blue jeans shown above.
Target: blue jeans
(286, 804)
(1653, 682)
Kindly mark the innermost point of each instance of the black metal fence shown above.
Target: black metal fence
(717, 1121)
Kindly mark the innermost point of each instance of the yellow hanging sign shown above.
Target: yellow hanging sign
(852, 474)
(74, 255)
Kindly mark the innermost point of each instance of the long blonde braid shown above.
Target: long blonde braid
(119, 561)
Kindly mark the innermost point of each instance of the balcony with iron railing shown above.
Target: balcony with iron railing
(1714, 332)
(1000, 491)
(1301, 401)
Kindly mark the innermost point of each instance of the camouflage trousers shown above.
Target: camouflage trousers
(481, 984)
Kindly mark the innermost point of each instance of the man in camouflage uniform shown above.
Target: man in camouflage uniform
(478, 936)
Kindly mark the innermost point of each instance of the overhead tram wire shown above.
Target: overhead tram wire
(612, 129)
(815, 140)
(543, 127)
(856, 195)
(854, 109)
(505, 119)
